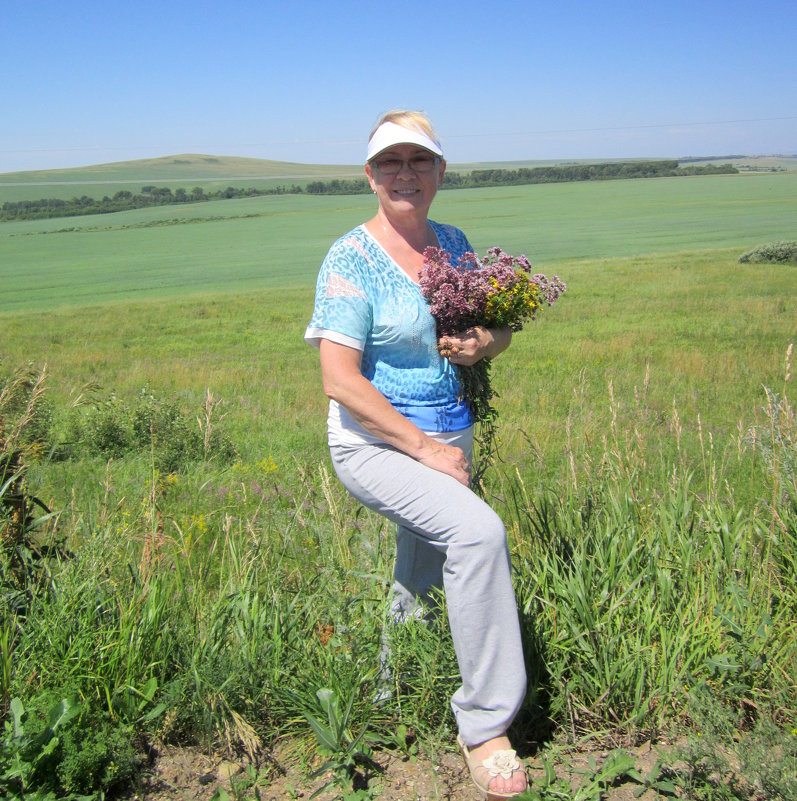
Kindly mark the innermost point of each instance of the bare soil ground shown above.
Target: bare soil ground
(187, 774)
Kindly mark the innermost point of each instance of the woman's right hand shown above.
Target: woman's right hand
(447, 459)
(474, 344)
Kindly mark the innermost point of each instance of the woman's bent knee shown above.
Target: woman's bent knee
(485, 531)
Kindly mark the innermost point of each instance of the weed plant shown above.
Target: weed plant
(203, 576)
(771, 253)
(734, 753)
(112, 428)
(214, 604)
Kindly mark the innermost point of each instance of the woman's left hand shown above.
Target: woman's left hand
(474, 344)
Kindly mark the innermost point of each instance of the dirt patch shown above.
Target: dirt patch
(187, 774)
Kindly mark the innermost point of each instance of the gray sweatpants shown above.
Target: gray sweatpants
(449, 538)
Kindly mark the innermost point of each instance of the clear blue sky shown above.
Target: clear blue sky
(85, 82)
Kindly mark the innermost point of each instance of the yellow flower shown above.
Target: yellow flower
(267, 465)
(199, 522)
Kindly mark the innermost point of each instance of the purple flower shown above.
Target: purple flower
(495, 291)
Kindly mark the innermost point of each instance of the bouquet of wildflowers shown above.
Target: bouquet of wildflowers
(497, 291)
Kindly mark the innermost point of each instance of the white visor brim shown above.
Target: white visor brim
(389, 134)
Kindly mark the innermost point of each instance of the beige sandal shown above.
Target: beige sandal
(500, 763)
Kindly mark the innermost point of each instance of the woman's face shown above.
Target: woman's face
(408, 190)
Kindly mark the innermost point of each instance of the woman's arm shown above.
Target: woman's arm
(475, 344)
(344, 383)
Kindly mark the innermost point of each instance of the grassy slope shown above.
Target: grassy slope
(221, 301)
(680, 316)
(216, 298)
(186, 170)
(218, 172)
(262, 243)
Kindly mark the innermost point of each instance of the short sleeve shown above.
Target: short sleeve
(342, 311)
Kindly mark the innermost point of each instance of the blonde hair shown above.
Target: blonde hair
(412, 120)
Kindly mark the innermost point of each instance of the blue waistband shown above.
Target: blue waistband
(452, 417)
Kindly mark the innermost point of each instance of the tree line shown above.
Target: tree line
(161, 196)
(583, 172)
(126, 200)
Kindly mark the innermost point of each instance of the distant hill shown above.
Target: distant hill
(183, 167)
(217, 173)
(772, 163)
(187, 167)
(186, 171)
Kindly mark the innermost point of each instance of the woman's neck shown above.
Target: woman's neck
(412, 231)
(403, 241)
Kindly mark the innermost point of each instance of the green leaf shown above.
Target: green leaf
(529, 794)
(62, 712)
(723, 663)
(49, 748)
(618, 763)
(326, 736)
(331, 705)
(148, 691)
(635, 775)
(763, 630)
(154, 713)
(17, 710)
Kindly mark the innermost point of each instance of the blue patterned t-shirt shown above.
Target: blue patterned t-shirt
(366, 301)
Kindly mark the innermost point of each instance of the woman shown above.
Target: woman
(401, 439)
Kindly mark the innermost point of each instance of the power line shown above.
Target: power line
(623, 127)
(448, 137)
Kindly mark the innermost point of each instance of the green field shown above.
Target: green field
(279, 241)
(217, 295)
(214, 173)
(647, 482)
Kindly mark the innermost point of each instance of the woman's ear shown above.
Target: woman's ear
(370, 176)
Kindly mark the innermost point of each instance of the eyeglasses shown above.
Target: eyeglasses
(393, 166)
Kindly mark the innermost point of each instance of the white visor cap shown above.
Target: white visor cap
(390, 133)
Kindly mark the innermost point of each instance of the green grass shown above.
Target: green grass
(710, 331)
(215, 602)
(222, 305)
(625, 218)
(272, 242)
(213, 173)
(647, 486)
